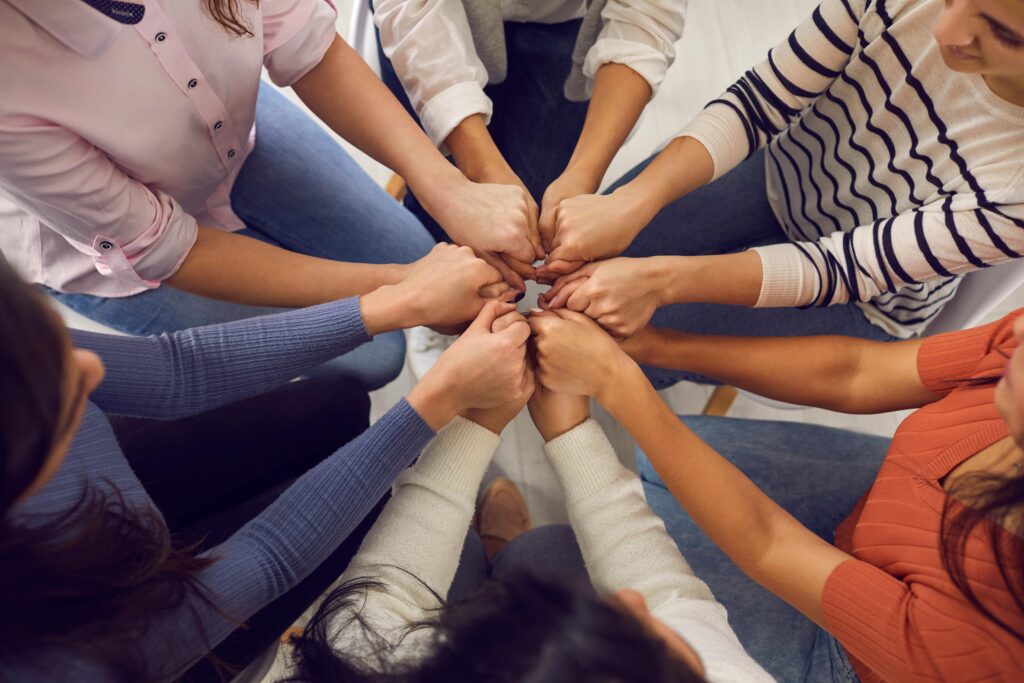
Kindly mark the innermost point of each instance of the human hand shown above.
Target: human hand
(572, 183)
(591, 227)
(555, 414)
(496, 418)
(497, 217)
(444, 289)
(574, 355)
(482, 369)
(621, 294)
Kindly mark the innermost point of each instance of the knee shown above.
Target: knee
(388, 360)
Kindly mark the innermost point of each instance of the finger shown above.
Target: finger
(579, 300)
(539, 323)
(561, 252)
(518, 331)
(559, 268)
(563, 281)
(494, 290)
(522, 268)
(487, 315)
(565, 296)
(546, 225)
(573, 316)
(533, 227)
(503, 322)
(510, 276)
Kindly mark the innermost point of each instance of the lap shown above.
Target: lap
(817, 474)
(301, 189)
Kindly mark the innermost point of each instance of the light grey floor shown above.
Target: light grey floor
(722, 39)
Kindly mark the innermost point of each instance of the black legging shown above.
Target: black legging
(211, 473)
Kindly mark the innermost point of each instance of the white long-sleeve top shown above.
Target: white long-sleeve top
(891, 174)
(418, 539)
(432, 48)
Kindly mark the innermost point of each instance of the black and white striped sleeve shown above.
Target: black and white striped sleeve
(770, 96)
(937, 241)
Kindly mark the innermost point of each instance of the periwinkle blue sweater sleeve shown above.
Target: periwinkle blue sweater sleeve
(280, 547)
(182, 373)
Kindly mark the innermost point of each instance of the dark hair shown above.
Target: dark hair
(88, 580)
(521, 628)
(992, 506)
(228, 13)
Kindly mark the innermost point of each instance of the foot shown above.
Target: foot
(425, 347)
(501, 516)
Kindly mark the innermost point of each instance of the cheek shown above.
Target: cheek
(1010, 404)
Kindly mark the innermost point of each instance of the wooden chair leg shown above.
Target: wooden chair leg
(720, 401)
(396, 187)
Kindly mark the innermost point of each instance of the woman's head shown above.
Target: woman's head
(85, 579)
(521, 628)
(1009, 395)
(985, 37)
(51, 381)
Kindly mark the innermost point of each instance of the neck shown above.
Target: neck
(1009, 88)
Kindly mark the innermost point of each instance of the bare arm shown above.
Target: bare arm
(764, 540)
(837, 373)
(244, 270)
(346, 95)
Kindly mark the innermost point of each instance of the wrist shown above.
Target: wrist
(617, 381)
(388, 308)
(474, 150)
(434, 402)
(585, 174)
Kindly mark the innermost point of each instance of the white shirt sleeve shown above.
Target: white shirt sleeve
(431, 48)
(640, 34)
(614, 526)
(413, 548)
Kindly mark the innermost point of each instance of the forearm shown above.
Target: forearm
(474, 150)
(346, 95)
(816, 371)
(620, 95)
(243, 270)
(682, 167)
(760, 537)
(714, 279)
(182, 373)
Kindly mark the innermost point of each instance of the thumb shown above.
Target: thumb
(546, 224)
(487, 315)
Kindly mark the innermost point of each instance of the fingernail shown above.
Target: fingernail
(520, 296)
(536, 310)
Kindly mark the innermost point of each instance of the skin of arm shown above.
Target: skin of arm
(620, 95)
(623, 293)
(845, 374)
(575, 356)
(346, 95)
(243, 270)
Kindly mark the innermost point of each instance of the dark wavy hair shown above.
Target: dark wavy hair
(521, 629)
(88, 580)
(228, 13)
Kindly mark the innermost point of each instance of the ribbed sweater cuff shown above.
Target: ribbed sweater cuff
(584, 461)
(945, 359)
(459, 456)
(788, 279)
(721, 133)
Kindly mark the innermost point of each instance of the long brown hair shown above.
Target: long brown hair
(228, 13)
(85, 582)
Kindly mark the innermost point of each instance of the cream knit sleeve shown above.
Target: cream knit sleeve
(625, 545)
(413, 549)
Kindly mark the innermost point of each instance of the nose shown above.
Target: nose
(956, 25)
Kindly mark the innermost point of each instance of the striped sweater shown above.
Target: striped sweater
(890, 173)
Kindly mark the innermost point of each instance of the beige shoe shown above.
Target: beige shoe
(501, 516)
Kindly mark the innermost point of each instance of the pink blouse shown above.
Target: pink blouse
(116, 139)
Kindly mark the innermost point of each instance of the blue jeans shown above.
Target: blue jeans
(301, 191)
(532, 123)
(817, 474)
(548, 551)
(729, 215)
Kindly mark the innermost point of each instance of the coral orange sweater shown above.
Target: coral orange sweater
(894, 608)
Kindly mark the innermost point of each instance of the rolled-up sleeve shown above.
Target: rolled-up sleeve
(134, 233)
(296, 35)
(640, 34)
